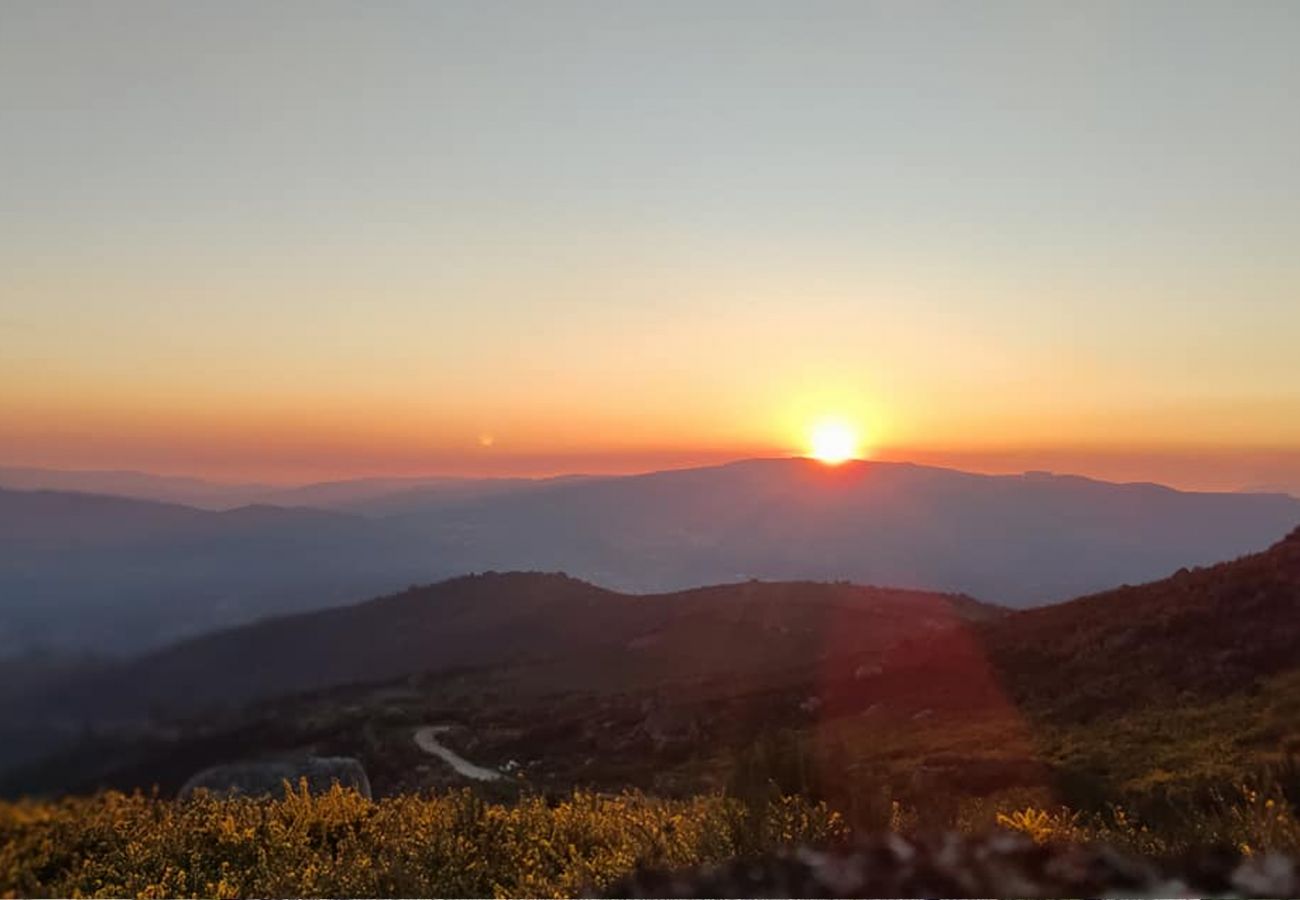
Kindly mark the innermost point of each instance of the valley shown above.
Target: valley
(858, 696)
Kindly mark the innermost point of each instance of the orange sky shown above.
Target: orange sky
(356, 388)
(306, 445)
(321, 240)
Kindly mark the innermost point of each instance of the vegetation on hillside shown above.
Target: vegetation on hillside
(456, 844)
(341, 845)
(1205, 632)
(961, 710)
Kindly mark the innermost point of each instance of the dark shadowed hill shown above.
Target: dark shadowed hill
(1187, 681)
(1194, 676)
(522, 619)
(1202, 632)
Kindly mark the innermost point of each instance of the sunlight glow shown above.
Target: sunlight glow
(833, 441)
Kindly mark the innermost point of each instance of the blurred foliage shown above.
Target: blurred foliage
(342, 845)
(1252, 818)
(457, 844)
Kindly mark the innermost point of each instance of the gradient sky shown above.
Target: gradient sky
(300, 240)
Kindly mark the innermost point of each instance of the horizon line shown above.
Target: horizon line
(218, 485)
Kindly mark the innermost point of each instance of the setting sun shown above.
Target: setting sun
(833, 442)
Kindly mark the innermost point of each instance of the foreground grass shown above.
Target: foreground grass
(340, 844)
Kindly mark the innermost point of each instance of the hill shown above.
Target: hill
(86, 573)
(82, 573)
(562, 630)
(833, 690)
(1202, 632)
(1189, 681)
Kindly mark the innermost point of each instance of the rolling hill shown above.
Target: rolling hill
(547, 622)
(1171, 683)
(81, 573)
(1200, 633)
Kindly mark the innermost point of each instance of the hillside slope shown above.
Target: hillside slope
(523, 619)
(1190, 680)
(823, 687)
(1206, 632)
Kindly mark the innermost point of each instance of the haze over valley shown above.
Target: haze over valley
(137, 574)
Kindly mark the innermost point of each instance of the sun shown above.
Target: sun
(833, 441)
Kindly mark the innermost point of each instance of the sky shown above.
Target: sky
(288, 241)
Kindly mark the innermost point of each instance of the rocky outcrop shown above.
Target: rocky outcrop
(259, 778)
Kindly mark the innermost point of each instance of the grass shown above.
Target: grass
(457, 844)
(340, 844)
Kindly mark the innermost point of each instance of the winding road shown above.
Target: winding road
(426, 739)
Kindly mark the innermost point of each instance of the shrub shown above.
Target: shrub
(340, 844)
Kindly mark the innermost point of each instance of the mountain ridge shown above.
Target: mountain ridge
(510, 618)
(139, 575)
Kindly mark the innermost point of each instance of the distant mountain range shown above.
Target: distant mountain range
(84, 573)
(363, 495)
(1018, 540)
